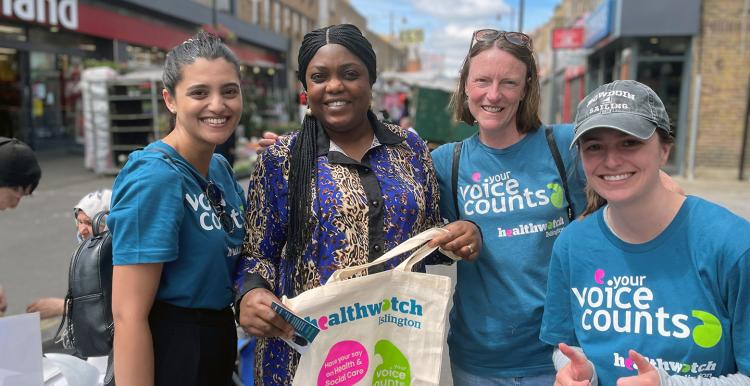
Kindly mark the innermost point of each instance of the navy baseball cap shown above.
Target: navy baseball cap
(18, 165)
(625, 105)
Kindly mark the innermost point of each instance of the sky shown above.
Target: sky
(448, 24)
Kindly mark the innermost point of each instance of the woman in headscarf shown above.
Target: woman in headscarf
(340, 192)
(83, 213)
(87, 208)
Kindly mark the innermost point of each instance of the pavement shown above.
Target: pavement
(38, 237)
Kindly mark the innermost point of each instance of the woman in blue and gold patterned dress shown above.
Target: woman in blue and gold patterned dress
(339, 192)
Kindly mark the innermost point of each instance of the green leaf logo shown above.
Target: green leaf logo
(395, 369)
(558, 194)
(708, 334)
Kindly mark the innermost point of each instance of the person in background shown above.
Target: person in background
(342, 191)
(19, 172)
(83, 213)
(19, 176)
(645, 271)
(177, 231)
(406, 124)
(87, 208)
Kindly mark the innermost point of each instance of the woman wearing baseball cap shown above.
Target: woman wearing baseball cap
(646, 288)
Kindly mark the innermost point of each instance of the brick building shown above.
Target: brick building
(681, 48)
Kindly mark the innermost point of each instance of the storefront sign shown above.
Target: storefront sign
(411, 36)
(567, 38)
(598, 23)
(52, 12)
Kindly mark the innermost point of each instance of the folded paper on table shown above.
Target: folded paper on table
(21, 350)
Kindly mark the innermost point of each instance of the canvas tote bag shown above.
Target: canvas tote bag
(382, 329)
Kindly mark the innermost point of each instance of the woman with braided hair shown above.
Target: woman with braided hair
(341, 191)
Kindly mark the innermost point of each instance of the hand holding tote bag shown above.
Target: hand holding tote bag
(381, 329)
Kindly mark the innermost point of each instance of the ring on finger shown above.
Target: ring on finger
(471, 248)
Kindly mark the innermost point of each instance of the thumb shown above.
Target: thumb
(644, 366)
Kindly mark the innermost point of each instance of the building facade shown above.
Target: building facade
(693, 53)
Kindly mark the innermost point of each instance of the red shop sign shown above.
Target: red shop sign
(567, 38)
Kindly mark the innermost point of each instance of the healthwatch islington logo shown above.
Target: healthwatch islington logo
(622, 304)
(402, 313)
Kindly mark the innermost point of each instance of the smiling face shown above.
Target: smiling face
(620, 167)
(338, 89)
(207, 101)
(495, 86)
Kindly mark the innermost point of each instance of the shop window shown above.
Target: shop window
(12, 32)
(663, 46)
(10, 94)
(287, 20)
(295, 23)
(224, 6)
(267, 13)
(276, 16)
(255, 18)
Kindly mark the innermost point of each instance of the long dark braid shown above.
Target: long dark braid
(303, 164)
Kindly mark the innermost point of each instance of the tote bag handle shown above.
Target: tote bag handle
(419, 240)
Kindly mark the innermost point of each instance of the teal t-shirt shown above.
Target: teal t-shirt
(515, 195)
(681, 299)
(160, 214)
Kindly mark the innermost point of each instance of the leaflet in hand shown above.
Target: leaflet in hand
(304, 331)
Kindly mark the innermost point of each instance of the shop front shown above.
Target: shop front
(43, 51)
(650, 42)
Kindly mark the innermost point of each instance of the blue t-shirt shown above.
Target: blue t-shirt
(680, 299)
(160, 214)
(515, 195)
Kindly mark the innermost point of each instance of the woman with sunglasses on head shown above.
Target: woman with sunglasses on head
(650, 286)
(177, 230)
(340, 192)
(509, 184)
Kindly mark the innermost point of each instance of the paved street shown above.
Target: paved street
(38, 237)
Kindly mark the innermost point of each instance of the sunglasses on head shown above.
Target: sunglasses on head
(216, 199)
(490, 35)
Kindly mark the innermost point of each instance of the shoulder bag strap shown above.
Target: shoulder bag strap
(560, 168)
(97, 222)
(454, 176)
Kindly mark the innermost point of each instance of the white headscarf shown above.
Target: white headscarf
(93, 203)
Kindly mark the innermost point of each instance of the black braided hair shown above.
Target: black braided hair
(303, 163)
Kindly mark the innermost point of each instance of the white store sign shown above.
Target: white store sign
(53, 12)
